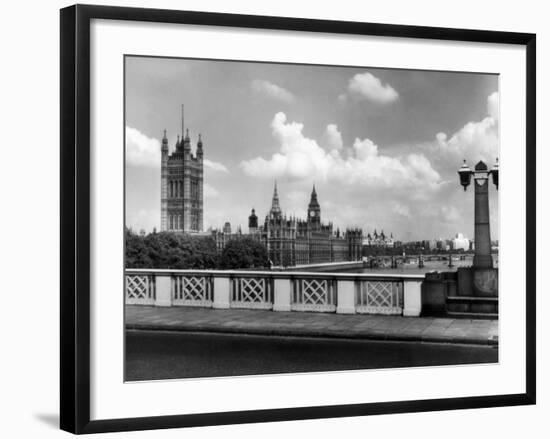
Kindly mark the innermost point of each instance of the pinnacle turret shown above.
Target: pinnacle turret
(200, 152)
(164, 147)
(186, 141)
(275, 207)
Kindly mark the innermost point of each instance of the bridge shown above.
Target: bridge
(392, 261)
(395, 260)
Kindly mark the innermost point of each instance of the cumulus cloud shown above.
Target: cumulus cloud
(475, 140)
(493, 105)
(366, 86)
(215, 166)
(210, 191)
(334, 137)
(272, 91)
(300, 157)
(145, 151)
(140, 149)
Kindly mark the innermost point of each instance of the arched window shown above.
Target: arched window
(181, 189)
(179, 222)
(171, 224)
(171, 189)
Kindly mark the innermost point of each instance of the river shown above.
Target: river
(414, 268)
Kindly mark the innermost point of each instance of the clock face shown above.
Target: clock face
(312, 213)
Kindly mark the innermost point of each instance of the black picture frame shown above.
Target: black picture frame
(75, 217)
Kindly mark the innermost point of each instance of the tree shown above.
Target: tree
(170, 250)
(137, 255)
(244, 253)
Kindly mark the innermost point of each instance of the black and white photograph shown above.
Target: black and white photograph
(297, 218)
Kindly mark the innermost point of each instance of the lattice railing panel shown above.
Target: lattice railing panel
(192, 290)
(314, 295)
(315, 292)
(380, 297)
(251, 292)
(140, 289)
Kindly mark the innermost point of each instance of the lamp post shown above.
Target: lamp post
(481, 173)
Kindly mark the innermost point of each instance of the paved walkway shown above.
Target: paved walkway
(309, 324)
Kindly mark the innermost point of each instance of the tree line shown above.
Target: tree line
(183, 251)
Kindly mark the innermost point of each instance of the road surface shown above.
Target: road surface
(152, 355)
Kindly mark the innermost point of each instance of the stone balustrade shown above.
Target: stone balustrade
(343, 293)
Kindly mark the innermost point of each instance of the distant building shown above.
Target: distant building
(181, 197)
(253, 222)
(291, 241)
(379, 240)
(460, 242)
(426, 244)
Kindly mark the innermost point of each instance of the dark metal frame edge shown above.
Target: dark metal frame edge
(75, 218)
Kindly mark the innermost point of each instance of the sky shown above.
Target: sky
(382, 146)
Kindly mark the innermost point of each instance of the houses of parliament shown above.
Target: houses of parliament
(289, 241)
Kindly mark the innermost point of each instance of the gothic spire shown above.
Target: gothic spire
(275, 207)
(182, 121)
(187, 141)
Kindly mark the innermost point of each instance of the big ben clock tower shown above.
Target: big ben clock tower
(314, 212)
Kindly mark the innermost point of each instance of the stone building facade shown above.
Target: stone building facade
(182, 186)
(291, 241)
